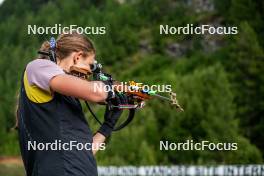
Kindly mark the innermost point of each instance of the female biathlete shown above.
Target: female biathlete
(50, 116)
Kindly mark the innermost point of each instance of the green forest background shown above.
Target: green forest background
(218, 79)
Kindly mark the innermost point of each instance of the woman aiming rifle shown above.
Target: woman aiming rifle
(49, 109)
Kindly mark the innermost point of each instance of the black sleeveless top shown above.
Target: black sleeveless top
(61, 120)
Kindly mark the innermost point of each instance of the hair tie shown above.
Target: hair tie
(52, 49)
(52, 43)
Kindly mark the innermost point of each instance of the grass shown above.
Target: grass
(11, 166)
(11, 170)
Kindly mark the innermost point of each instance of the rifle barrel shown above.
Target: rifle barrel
(162, 97)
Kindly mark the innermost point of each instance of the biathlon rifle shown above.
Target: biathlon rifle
(135, 93)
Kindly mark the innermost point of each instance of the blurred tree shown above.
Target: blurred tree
(247, 64)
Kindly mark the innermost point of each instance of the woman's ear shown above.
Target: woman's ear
(77, 56)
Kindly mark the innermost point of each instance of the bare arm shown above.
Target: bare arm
(72, 86)
(97, 140)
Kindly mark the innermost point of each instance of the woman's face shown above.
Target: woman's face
(85, 62)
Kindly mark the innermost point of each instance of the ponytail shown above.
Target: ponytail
(44, 47)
